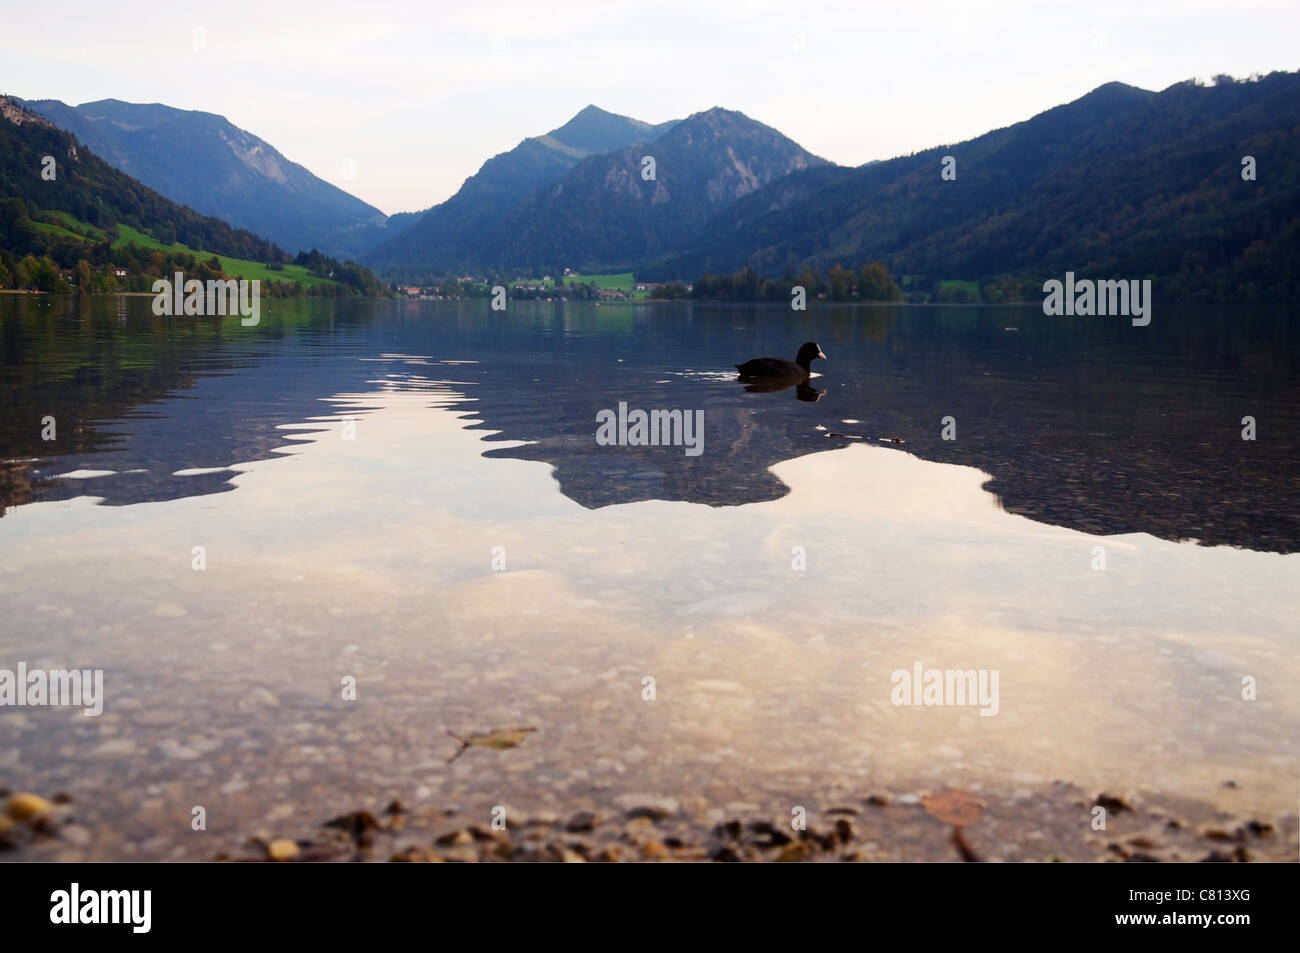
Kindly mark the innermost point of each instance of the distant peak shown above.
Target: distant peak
(1116, 91)
(718, 114)
(593, 113)
(1117, 85)
(597, 130)
(719, 118)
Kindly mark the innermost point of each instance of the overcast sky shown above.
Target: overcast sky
(417, 95)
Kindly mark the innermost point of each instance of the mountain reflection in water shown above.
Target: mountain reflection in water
(1086, 423)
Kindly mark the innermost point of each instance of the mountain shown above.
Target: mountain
(201, 160)
(64, 211)
(603, 212)
(594, 130)
(607, 215)
(437, 242)
(94, 194)
(1123, 182)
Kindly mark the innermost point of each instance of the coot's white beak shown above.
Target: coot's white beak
(822, 355)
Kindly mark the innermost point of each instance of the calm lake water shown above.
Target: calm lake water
(358, 472)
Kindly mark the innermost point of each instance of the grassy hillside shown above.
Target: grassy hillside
(86, 221)
(235, 267)
(203, 161)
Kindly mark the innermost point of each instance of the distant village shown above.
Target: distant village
(571, 285)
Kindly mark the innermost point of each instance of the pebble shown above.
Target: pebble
(716, 685)
(116, 748)
(76, 835)
(647, 805)
(25, 806)
(256, 698)
(581, 822)
(281, 850)
(793, 852)
(1116, 805)
(174, 749)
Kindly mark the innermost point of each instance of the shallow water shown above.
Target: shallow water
(473, 441)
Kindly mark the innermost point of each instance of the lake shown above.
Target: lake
(304, 552)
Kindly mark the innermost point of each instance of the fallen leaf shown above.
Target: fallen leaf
(501, 739)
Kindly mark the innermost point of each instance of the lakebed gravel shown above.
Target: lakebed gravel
(1054, 824)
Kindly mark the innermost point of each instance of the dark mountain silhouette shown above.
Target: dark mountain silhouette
(608, 214)
(1122, 182)
(440, 241)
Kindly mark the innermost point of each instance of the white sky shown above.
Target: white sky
(418, 95)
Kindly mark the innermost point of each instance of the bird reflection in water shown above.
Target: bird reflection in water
(801, 388)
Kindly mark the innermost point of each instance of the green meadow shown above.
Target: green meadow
(235, 267)
(910, 283)
(621, 282)
(972, 287)
(63, 224)
(51, 229)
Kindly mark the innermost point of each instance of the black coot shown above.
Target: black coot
(774, 367)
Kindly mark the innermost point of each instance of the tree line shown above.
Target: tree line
(869, 283)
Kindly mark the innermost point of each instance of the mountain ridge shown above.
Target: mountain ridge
(202, 160)
(436, 240)
(1121, 181)
(600, 210)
